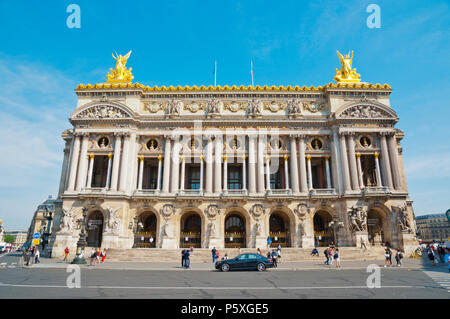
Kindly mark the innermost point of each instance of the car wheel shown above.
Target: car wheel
(261, 267)
(225, 267)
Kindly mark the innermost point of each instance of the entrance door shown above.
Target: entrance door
(234, 231)
(323, 234)
(145, 236)
(279, 230)
(95, 229)
(191, 231)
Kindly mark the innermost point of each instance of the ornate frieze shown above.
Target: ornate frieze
(274, 107)
(102, 112)
(154, 107)
(365, 111)
(194, 106)
(314, 107)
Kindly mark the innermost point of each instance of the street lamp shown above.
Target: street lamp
(49, 209)
(79, 259)
(336, 225)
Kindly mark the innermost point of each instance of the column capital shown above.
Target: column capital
(377, 155)
(327, 158)
(358, 155)
(91, 156)
(118, 134)
(141, 158)
(267, 158)
(387, 133)
(110, 155)
(286, 157)
(244, 157)
(224, 158)
(160, 158)
(308, 157)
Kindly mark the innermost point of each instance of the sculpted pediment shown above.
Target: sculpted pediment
(102, 110)
(363, 110)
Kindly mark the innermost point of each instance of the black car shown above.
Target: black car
(245, 262)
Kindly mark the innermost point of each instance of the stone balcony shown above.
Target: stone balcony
(376, 190)
(322, 192)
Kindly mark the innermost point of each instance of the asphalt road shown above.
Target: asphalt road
(19, 282)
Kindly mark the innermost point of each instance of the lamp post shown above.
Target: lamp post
(81, 244)
(336, 225)
(49, 209)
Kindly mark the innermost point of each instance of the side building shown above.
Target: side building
(433, 227)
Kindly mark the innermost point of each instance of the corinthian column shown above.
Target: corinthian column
(385, 160)
(251, 164)
(308, 161)
(304, 184)
(175, 166)
(116, 162)
(141, 172)
(344, 160)
(209, 165)
(82, 172)
(327, 165)
(377, 167)
(358, 161)
(260, 172)
(158, 183)
(244, 173)
(353, 168)
(267, 173)
(124, 167)
(183, 172)
(225, 174)
(74, 163)
(108, 176)
(218, 164)
(201, 173)
(294, 165)
(286, 172)
(394, 161)
(167, 152)
(91, 169)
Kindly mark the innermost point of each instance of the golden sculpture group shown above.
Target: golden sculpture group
(346, 73)
(120, 74)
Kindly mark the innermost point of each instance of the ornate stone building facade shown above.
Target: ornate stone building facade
(170, 167)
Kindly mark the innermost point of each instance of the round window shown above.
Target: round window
(276, 143)
(152, 144)
(316, 144)
(365, 141)
(103, 142)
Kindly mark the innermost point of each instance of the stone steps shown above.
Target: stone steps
(204, 254)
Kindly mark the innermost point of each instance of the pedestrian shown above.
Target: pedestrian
(187, 260)
(183, 257)
(447, 258)
(330, 254)
(258, 251)
(430, 255)
(387, 256)
(398, 258)
(213, 252)
(93, 255)
(269, 241)
(225, 257)
(36, 256)
(325, 252)
(274, 258)
(217, 255)
(103, 254)
(269, 254)
(279, 254)
(97, 256)
(337, 259)
(66, 254)
(315, 252)
(363, 244)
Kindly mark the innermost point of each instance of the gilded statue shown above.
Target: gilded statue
(346, 73)
(120, 74)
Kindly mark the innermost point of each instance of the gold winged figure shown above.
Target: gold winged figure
(120, 74)
(346, 73)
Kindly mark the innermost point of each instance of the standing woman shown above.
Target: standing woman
(97, 255)
(387, 257)
(36, 256)
(103, 255)
(337, 258)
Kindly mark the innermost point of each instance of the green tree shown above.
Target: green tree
(9, 239)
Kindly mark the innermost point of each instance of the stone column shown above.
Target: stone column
(218, 164)
(108, 176)
(358, 161)
(392, 145)
(82, 172)
(65, 166)
(336, 163)
(116, 162)
(124, 167)
(141, 172)
(286, 172)
(251, 165)
(91, 170)
(158, 183)
(352, 160)
(267, 173)
(175, 166)
(74, 163)
(209, 166)
(201, 173)
(183, 173)
(244, 173)
(310, 182)
(377, 170)
(260, 165)
(303, 182)
(294, 166)
(166, 176)
(386, 165)
(225, 174)
(327, 164)
(344, 162)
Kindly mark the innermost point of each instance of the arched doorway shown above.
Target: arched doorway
(94, 229)
(235, 236)
(323, 233)
(279, 230)
(145, 236)
(377, 228)
(191, 231)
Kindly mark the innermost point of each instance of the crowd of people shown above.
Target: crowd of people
(97, 256)
(437, 253)
(31, 254)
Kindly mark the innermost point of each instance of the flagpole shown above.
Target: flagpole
(215, 73)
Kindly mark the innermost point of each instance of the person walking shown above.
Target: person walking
(388, 257)
(269, 241)
(66, 254)
(97, 256)
(325, 252)
(93, 256)
(447, 258)
(36, 256)
(363, 244)
(213, 252)
(103, 254)
(337, 259)
(330, 254)
(183, 257)
(279, 254)
(398, 258)
(187, 259)
(274, 258)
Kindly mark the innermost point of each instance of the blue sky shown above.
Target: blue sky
(176, 43)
